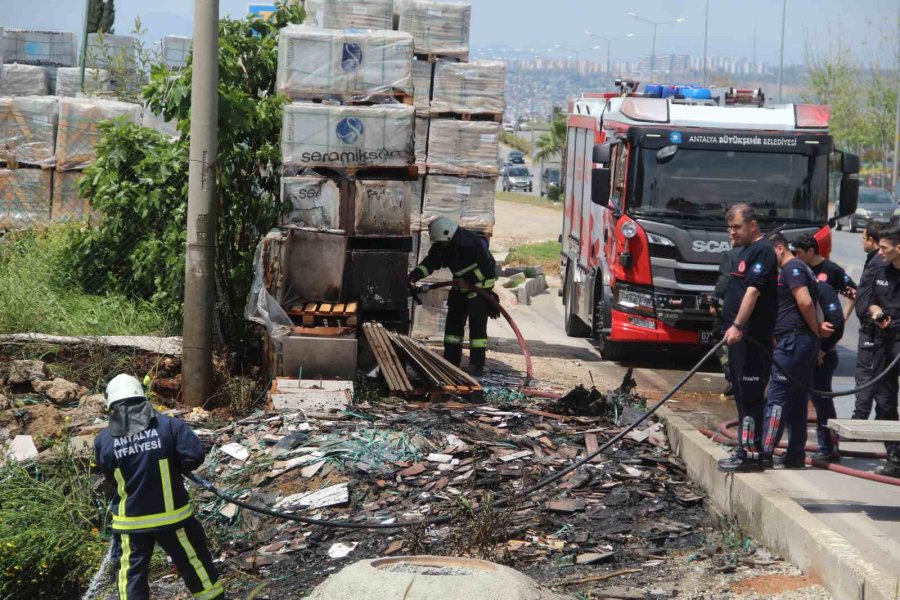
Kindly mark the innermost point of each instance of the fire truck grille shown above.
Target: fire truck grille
(660, 251)
(686, 277)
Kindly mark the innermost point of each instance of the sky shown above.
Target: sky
(541, 24)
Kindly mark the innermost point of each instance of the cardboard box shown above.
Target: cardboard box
(67, 204)
(351, 14)
(175, 51)
(463, 147)
(314, 356)
(44, 48)
(78, 133)
(24, 80)
(422, 72)
(437, 27)
(28, 127)
(25, 198)
(321, 62)
(382, 208)
(476, 87)
(68, 81)
(315, 202)
(468, 201)
(347, 136)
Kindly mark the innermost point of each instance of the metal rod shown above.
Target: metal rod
(199, 291)
(897, 126)
(781, 60)
(705, 41)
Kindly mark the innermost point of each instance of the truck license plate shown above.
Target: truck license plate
(706, 336)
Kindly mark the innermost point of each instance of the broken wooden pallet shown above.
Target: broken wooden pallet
(435, 368)
(391, 367)
(322, 314)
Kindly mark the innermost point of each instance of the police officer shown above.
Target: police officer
(826, 365)
(865, 399)
(144, 454)
(748, 311)
(880, 306)
(796, 350)
(467, 256)
(806, 248)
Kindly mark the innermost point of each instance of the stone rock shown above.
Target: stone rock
(59, 390)
(517, 278)
(25, 371)
(5, 403)
(40, 421)
(93, 403)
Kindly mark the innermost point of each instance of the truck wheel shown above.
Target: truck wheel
(602, 319)
(575, 327)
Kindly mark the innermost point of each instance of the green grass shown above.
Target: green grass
(38, 292)
(528, 199)
(545, 254)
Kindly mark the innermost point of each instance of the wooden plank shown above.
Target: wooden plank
(352, 308)
(852, 429)
(403, 383)
(310, 307)
(380, 355)
(324, 309)
(339, 309)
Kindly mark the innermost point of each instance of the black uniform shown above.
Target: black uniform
(880, 285)
(834, 275)
(756, 266)
(727, 264)
(468, 257)
(152, 506)
(830, 304)
(796, 349)
(865, 399)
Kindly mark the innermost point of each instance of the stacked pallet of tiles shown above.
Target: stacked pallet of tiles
(31, 58)
(459, 108)
(45, 143)
(348, 154)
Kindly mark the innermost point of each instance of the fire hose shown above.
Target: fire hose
(729, 436)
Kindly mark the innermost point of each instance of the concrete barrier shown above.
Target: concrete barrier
(777, 521)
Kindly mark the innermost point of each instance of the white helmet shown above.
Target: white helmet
(442, 229)
(123, 387)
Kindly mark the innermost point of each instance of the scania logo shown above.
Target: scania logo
(710, 246)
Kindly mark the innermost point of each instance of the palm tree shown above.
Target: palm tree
(551, 144)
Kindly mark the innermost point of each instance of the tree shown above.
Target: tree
(139, 181)
(551, 144)
(101, 16)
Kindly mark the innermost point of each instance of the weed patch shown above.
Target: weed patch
(544, 254)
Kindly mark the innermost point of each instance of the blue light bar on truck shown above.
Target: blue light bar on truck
(678, 91)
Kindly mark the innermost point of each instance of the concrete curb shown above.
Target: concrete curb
(777, 521)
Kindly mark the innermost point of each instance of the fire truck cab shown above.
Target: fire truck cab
(648, 180)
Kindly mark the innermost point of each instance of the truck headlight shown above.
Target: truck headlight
(897, 212)
(634, 299)
(862, 212)
(659, 240)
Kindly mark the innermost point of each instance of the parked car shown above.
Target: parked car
(516, 157)
(518, 178)
(505, 167)
(549, 178)
(874, 204)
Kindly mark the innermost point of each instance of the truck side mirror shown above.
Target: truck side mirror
(849, 164)
(602, 153)
(849, 196)
(600, 186)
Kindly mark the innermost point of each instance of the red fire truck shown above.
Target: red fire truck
(648, 179)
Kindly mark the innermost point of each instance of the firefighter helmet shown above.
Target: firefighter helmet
(123, 387)
(442, 229)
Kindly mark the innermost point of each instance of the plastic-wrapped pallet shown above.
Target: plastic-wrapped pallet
(463, 147)
(438, 27)
(24, 80)
(44, 48)
(421, 140)
(421, 75)
(382, 208)
(28, 130)
(78, 132)
(68, 81)
(25, 198)
(347, 136)
(107, 51)
(476, 87)
(315, 202)
(320, 62)
(175, 50)
(170, 128)
(351, 14)
(468, 201)
(67, 204)
(415, 218)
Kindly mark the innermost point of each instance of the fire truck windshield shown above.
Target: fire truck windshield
(700, 185)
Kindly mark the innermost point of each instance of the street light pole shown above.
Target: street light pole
(781, 59)
(897, 126)
(608, 54)
(575, 52)
(655, 25)
(705, 41)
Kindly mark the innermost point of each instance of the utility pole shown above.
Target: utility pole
(199, 288)
(781, 60)
(705, 41)
(897, 126)
(84, 34)
(609, 41)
